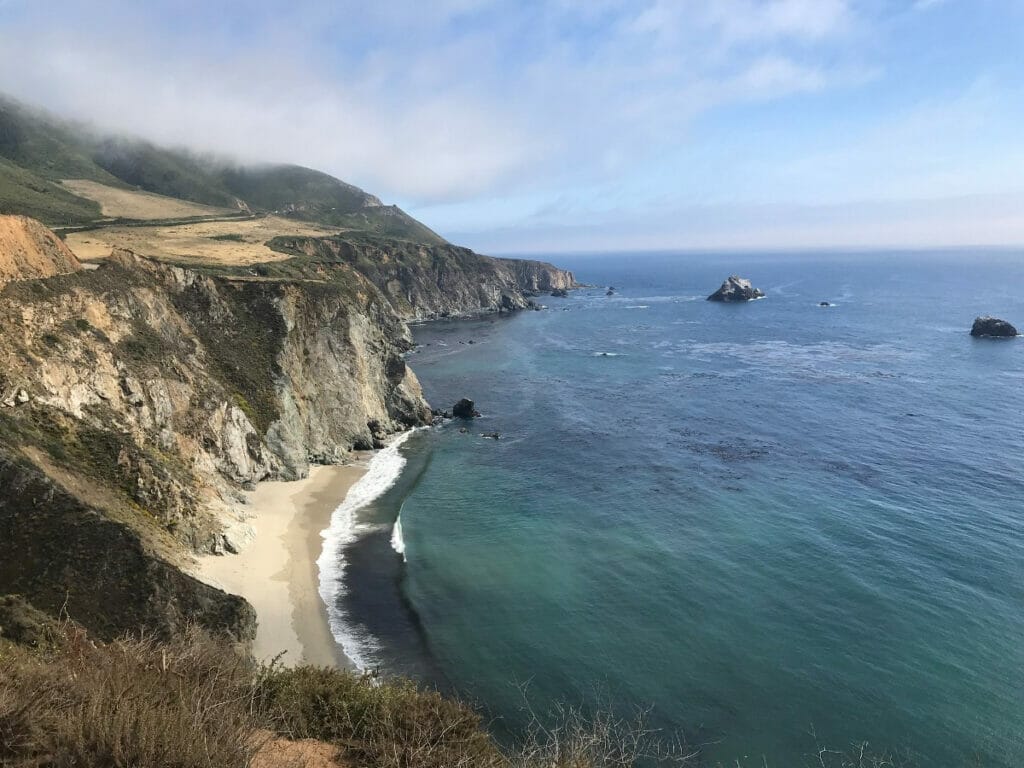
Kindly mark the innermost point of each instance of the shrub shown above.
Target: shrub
(198, 703)
(391, 724)
(130, 703)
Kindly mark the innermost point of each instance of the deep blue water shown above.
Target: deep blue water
(755, 520)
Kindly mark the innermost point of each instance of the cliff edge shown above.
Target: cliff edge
(139, 398)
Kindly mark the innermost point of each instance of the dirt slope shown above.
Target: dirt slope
(29, 250)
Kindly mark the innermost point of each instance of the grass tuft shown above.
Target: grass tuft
(186, 704)
(196, 702)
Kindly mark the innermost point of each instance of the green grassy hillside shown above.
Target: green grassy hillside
(37, 150)
(30, 194)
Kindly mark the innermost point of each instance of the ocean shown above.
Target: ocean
(768, 525)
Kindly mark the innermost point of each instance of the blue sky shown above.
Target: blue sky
(574, 125)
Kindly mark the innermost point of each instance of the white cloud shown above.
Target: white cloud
(421, 102)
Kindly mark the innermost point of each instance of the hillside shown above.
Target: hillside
(39, 151)
(137, 400)
(29, 250)
(196, 329)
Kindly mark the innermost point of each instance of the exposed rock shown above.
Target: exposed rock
(735, 288)
(491, 435)
(560, 293)
(430, 281)
(824, 304)
(237, 536)
(992, 327)
(610, 292)
(465, 409)
(160, 392)
(179, 391)
(66, 557)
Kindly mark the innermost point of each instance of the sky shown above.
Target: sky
(577, 125)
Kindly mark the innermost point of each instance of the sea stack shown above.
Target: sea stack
(992, 327)
(735, 288)
(465, 409)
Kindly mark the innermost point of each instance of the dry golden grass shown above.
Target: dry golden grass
(183, 705)
(237, 242)
(66, 702)
(133, 204)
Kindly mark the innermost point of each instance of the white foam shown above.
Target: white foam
(384, 470)
(397, 541)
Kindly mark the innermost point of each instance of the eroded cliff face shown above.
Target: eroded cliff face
(424, 281)
(138, 400)
(72, 558)
(28, 249)
(150, 395)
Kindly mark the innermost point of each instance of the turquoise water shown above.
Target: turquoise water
(756, 520)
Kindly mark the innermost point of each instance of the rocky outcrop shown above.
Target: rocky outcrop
(465, 409)
(427, 281)
(140, 398)
(29, 250)
(137, 401)
(735, 288)
(992, 327)
(70, 558)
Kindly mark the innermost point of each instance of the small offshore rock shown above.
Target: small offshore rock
(463, 430)
(824, 304)
(736, 288)
(491, 435)
(992, 327)
(560, 293)
(465, 409)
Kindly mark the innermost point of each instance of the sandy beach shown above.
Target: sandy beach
(277, 572)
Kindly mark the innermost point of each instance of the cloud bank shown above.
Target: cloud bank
(491, 118)
(423, 101)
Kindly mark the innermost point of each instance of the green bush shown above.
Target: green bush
(380, 724)
(199, 703)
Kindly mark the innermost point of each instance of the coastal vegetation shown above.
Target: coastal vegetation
(198, 702)
(39, 151)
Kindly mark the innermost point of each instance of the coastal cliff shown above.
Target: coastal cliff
(139, 398)
(423, 281)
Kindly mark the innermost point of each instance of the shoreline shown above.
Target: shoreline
(278, 574)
